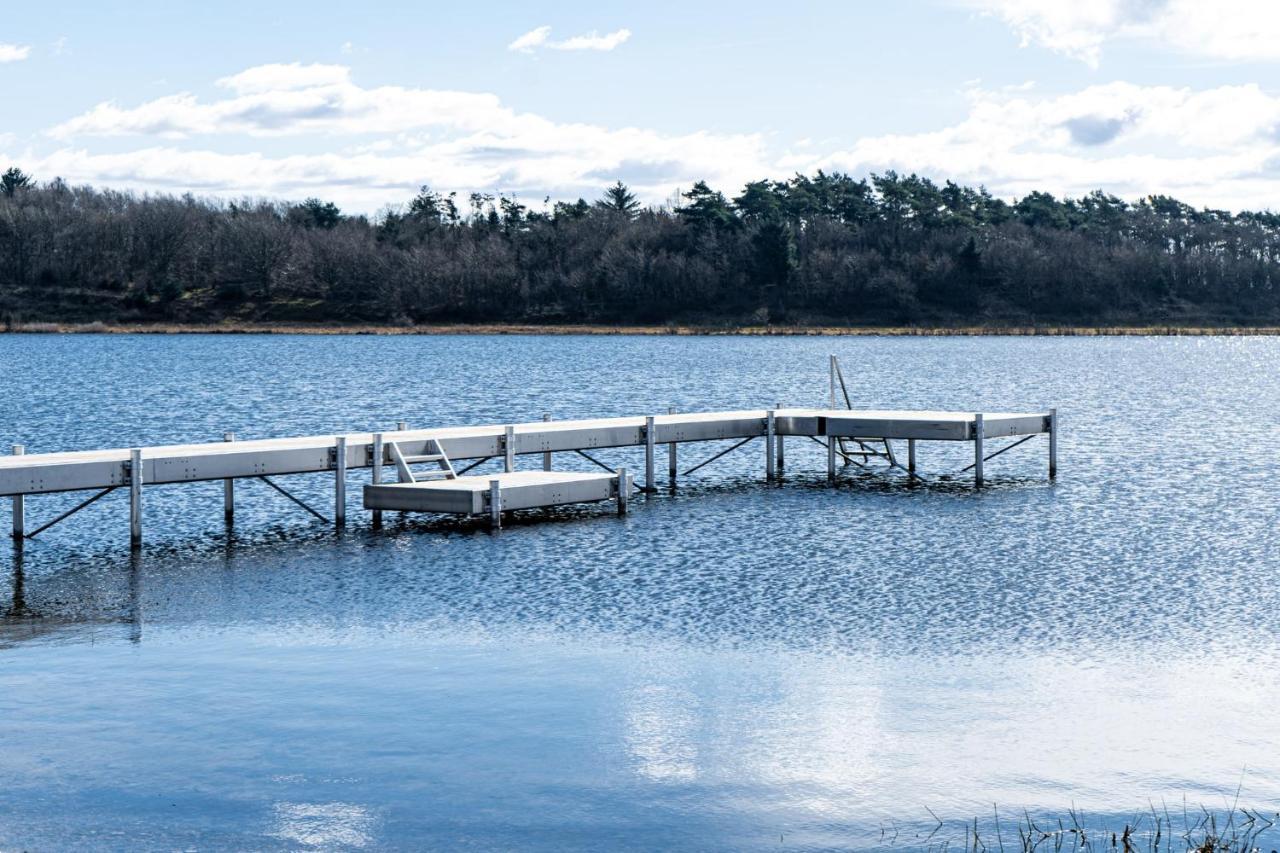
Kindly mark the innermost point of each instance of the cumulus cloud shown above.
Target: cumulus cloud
(1224, 29)
(1214, 146)
(14, 52)
(540, 37)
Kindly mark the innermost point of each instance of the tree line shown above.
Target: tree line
(819, 249)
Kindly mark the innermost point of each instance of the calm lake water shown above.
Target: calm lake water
(732, 666)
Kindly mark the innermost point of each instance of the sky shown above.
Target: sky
(362, 104)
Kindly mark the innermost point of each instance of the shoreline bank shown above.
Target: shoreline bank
(633, 330)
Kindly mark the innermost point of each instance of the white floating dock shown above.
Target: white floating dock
(855, 436)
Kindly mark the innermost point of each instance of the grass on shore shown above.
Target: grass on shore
(597, 329)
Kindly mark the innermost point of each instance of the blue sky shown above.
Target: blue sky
(363, 104)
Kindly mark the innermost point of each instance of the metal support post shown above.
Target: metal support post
(340, 481)
(1053, 443)
(978, 453)
(911, 455)
(671, 455)
(376, 477)
(770, 436)
(781, 455)
(546, 454)
(831, 459)
(649, 448)
(509, 449)
(228, 489)
(495, 505)
(19, 504)
(135, 497)
(624, 490)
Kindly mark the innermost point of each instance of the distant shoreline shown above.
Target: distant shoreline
(633, 330)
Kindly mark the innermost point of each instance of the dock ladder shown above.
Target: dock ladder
(867, 448)
(434, 454)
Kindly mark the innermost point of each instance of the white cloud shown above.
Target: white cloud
(541, 37)
(1218, 147)
(14, 52)
(1222, 29)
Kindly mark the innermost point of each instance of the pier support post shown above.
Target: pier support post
(1053, 443)
(831, 459)
(978, 449)
(911, 455)
(624, 490)
(340, 481)
(19, 504)
(546, 454)
(770, 436)
(509, 449)
(376, 477)
(781, 463)
(495, 505)
(135, 497)
(401, 426)
(228, 489)
(649, 449)
(671, 454)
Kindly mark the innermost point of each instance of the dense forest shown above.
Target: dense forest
(821, 249)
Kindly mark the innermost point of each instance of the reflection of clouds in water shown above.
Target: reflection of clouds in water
(661, 733)
(323, 824)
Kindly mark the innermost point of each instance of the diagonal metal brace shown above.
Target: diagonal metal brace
(72, 511)
(718, 455)
(288, 495)
(595, 461)
(998, 452)
(476, 464)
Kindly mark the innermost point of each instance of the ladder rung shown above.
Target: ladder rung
(429, 457)
(431, 475)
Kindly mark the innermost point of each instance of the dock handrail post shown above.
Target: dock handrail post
(649, 448)
(624, 490)
(401, 426)
(831, 379)
(376, 476)
(770, 436)
(340, 481)
(495, 504)
(781, 456)
(978, 451)
(509, 449)
(19, 504)
(546, 454)
(911, 455)
(1053, 443)
(671, 453)
(135, 497)
(228, 489)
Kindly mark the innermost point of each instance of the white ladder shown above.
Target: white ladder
(865, 447)
(434, 453)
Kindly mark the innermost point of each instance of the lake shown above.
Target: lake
(730, 666)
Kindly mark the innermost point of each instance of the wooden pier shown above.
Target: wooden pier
(854, 437)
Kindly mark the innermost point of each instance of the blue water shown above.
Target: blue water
(730, 666)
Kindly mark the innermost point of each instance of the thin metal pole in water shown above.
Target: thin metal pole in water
(977, 448)
(672, 467)
(19, 504)
(781, 455)
(624, 490)
(1053, 443)
(831, 459)
(340, 481)
(401, 426)
(911, 455)
(770, 436)
(509, 449)
(649, 448)
(546, 454)
(831, 370)
(495, 504)
(228, 489)
(377, 473)
(135, 497)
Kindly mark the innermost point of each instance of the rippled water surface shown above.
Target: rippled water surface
(731, 666)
